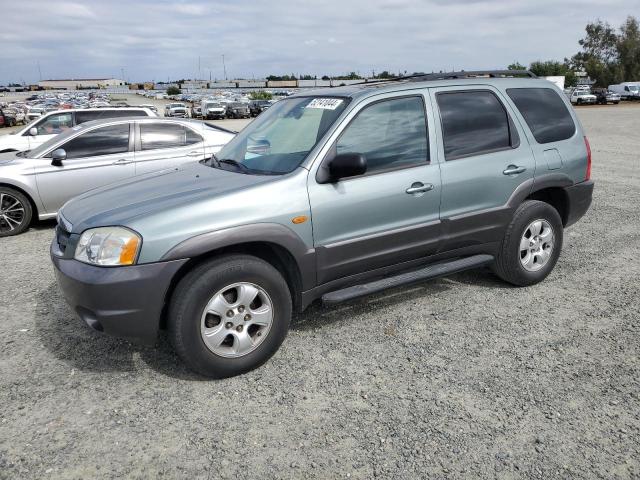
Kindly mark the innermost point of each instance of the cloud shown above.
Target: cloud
(162, 39)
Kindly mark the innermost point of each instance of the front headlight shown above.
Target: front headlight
(108, 246)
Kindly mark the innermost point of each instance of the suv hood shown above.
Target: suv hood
(121, 202)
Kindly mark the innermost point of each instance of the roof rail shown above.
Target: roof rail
(425, 77)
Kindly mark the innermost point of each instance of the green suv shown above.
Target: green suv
(329, 195)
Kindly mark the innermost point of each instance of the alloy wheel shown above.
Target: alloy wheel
(11, 213)
(536, 245)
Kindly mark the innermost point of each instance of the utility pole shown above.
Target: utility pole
(224, 67)
(199, 72)
(39, 71)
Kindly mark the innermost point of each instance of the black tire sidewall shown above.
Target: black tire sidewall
(529, 212)
(197, 288)
(28, 211)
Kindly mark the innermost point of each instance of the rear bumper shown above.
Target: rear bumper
(121, 301)
(579, 196)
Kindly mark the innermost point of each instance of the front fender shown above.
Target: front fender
(271, 233)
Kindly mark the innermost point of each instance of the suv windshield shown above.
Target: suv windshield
(280, 138)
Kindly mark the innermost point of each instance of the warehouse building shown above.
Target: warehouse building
(80, 83)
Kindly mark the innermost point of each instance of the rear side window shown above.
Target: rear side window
(163, 135)
(101, 141)
(473, 123)
(545, 113)
(193, 137)
(391, 134)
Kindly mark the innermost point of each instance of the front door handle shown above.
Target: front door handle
(123, 161)
(194, 154)
(513, 170)
(419, 187)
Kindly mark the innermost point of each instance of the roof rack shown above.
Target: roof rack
(425, 77)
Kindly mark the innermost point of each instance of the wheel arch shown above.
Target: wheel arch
(34, 205)
(549, 188)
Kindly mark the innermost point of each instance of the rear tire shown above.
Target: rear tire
(15, 212)
(531, 245)
(229, 315)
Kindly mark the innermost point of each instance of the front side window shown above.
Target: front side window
(55, 124)
(279, 140)
(473, 123)
(101, 141)
(391, 134)
(545, 113)
(82, 117)
(166, 135)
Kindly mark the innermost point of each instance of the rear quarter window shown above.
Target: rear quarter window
(545, 113)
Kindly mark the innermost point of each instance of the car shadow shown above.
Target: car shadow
(68, 339)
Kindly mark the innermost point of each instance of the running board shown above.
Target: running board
(427, 273)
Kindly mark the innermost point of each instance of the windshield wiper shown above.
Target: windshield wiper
(229, 161)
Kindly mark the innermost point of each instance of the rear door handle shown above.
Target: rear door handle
(123, 161)
(194, 154)
(419, 187)
(513, 170)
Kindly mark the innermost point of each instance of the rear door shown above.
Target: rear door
(161, 145)
(49, 127)
(95, 158)
(486, 157)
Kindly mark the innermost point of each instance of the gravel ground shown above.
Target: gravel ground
(463, 377)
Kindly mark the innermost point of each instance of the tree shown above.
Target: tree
(552, 68)
(325, 78)
(260, 95)
(608, 56)
(516, 66)
(173, 90)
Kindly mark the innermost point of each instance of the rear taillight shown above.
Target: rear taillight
(588, 175)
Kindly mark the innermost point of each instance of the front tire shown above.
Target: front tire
(229, 315)
(15, 212)
(531, 245)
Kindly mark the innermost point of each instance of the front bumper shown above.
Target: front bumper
(121, 301)
(579, 196)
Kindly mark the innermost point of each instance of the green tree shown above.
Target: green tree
(516, 66)
(260, 95)
(628, 48)
(599, 55)
(552, 68)
(173, 90)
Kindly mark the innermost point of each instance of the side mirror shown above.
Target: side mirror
(33, 131)
(259, 146)
(347, 165)
(58, 156)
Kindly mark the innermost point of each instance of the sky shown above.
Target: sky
(145, 40)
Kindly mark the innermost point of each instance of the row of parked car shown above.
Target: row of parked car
(215, 109)
(584, 95)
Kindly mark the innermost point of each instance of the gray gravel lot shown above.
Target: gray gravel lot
(463, 377)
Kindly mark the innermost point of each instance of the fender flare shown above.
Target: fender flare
(266, 233)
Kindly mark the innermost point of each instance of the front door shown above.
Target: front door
(486, 157)
(391, 213)
(96, 158)
(48, 127)
(165, 145)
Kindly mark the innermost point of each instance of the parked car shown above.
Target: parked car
(604, 96)
(153, 108)
(54, 123)
(212, 110)
(11, 117)
(237, 110)
(177, 110)
(97, 153)
(256, 107)
(627, 90)
(581, 97)
(33, 113)
(328, 196)
(196, 111)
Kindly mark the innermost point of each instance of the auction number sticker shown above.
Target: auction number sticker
(324, 103)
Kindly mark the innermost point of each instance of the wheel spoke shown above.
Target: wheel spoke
(535, 228)
(246, 294)
(218, 305)
(261, 316)
(546, 234)
(214, 337)
(524, 244)
(242, 342)
(10, 220)
(527, 261)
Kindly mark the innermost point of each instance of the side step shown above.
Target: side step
(427, 273)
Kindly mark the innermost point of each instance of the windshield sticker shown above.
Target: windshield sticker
(324, 103)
